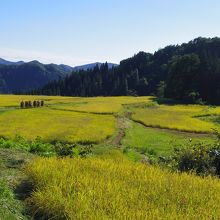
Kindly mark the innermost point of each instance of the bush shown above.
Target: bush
(41, 148)
(64, 149)
(17, 143)
(199, 158)
(72, 150)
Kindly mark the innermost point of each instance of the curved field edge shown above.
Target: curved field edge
(174, 118)
(160, 142)
(118, 189)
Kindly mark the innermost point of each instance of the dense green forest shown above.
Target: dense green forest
(189, 72)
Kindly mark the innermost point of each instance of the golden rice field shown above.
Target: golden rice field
(56, 125)
(95, 188)
(179, 117)
(111, 186)
(77, 119)
(64, 119)
(101, 105)
(14, 100)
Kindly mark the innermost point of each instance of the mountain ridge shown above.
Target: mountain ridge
(20, 77)
(63, 66)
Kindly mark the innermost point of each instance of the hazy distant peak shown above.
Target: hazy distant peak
(6, 62)
(92, 66)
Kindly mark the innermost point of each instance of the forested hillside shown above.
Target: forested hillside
(21, 77)
(189, 72)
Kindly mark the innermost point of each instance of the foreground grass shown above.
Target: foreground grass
(9, 208)
(118, 189)
(159, 142)
(58, 125)
(178, 117)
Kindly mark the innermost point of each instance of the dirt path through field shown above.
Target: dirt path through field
(124, 121)
(123, 124)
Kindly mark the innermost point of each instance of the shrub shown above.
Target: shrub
(41, 148)
(199, 158)
(72, 150)
(17, 143)
(64, 149)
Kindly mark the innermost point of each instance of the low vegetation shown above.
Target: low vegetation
(9, 207)
(159, 142)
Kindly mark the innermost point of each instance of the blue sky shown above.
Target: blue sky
(82, 31)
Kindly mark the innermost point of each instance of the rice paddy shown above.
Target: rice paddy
(56, 125)
(102, 105)
(118, 189)
(177, 117)
(111, 183)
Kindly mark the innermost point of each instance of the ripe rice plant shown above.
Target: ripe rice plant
(178, 117)
(58, 125)
(101, 188)
(102, 105)
(14, 100)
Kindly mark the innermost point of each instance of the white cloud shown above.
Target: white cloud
(44, 57)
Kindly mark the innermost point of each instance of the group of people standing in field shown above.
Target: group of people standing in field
(30, 104)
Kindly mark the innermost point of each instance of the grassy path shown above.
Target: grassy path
(12, 189)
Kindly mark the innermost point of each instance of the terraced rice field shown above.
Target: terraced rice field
(57, 125)
(106, 184)
(178, 117)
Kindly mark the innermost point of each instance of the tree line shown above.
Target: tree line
(189, 72)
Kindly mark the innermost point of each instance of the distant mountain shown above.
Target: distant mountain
(92, 66)
(66, 67)
(6, 62)
(19, 77)
(22, 77)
